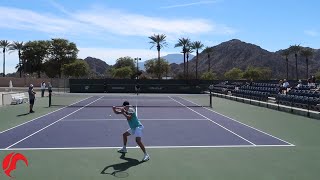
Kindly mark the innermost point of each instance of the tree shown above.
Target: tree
(50, 68)
(152, 67)
(158, 40)
(295, 49)
(62, 52)
(258, 73)
(34, 53)
(184, 43)
(125, 61)
(197, 45)
(4, 44)
(265, 73)
(188, 51)
(286, 54)
(251, 73)
(208, 50)
(17, 46)
(233, 74)
(122, 72)
(209, 76)
(317, 75)
(79, 68)
(307, 52)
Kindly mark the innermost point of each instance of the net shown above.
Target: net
(146, 100)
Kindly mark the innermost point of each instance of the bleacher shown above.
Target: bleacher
(224, 87)
(303, 97)
(257, 91)
(270, 90)
(251, 94)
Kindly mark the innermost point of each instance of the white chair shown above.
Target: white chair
(19, 98)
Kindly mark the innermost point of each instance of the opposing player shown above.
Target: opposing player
(135, 128)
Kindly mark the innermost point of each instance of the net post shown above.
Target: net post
(49, 99)
(50, 94)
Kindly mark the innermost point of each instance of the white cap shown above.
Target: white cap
(31, 85)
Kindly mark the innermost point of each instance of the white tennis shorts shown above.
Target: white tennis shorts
(136, 132)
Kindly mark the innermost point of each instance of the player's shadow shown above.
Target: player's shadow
(23, 114)
(120, 168)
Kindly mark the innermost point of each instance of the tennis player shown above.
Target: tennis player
(135, 128)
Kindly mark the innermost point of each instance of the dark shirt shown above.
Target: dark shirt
(31, 93)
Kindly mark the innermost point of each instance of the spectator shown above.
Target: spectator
(31, 97)
(299, 84)
(309, 81)
(43, 88)
(251, 82)
(49, 87)
(286, 86)
(313, 81)
(280, 86)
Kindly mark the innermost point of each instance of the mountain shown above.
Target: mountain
(97, 65)
(171, 58)
(239, 54)
(230, 54)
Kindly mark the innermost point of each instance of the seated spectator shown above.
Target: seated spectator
(299, 84)
(313, 81)
(286, 86)
(309, 81)
(280, 86)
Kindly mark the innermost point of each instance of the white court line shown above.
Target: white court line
(44, 115)
(215, 122)
(51, 124)
(148, 147)
(241, 123)
(139, 119)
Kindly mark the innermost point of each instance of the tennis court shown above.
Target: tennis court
(183, 135)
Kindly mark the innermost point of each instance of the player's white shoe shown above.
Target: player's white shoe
(123, 150)
(146, 157)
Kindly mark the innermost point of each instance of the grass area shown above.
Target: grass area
(299, 162)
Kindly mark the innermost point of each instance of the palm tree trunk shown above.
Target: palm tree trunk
(25, 71)
(20, 68)
(4, 62)
(184, 65)
(159, 68)
(197, 66)
(296, 66)
(187, 66)
(287, 68)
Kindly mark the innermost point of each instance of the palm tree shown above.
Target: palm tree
(197, 45)
(307, 52)
(286, 54)
(4, 45)
(158, 40)
(208, 50)
(17, 46)
(295, 49)
(188, 50)
(184, 43)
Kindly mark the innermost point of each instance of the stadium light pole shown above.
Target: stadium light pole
(137, 59)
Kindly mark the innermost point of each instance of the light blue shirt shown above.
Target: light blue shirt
(134, 121)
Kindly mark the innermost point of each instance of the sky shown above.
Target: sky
(110, 29)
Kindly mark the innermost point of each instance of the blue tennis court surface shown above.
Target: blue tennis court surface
(83, 126)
